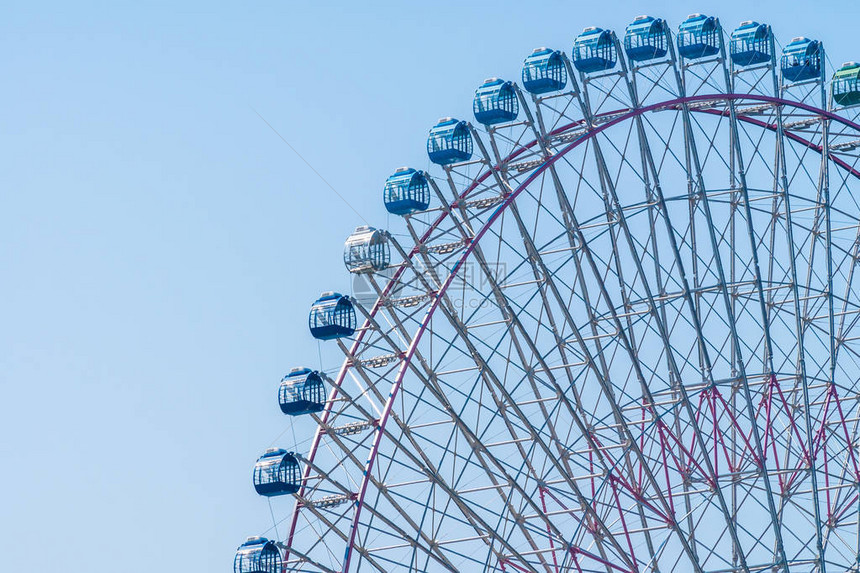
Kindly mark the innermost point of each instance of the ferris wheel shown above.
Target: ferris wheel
(619, 336)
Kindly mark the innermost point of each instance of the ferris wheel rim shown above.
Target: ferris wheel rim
(620, 116)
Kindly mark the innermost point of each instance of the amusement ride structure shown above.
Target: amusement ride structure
(620, 337)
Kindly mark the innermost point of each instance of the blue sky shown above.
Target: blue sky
(160, 245)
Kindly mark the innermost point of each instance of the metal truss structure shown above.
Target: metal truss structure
(621, 339)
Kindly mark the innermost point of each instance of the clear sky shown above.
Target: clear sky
(160, 245)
